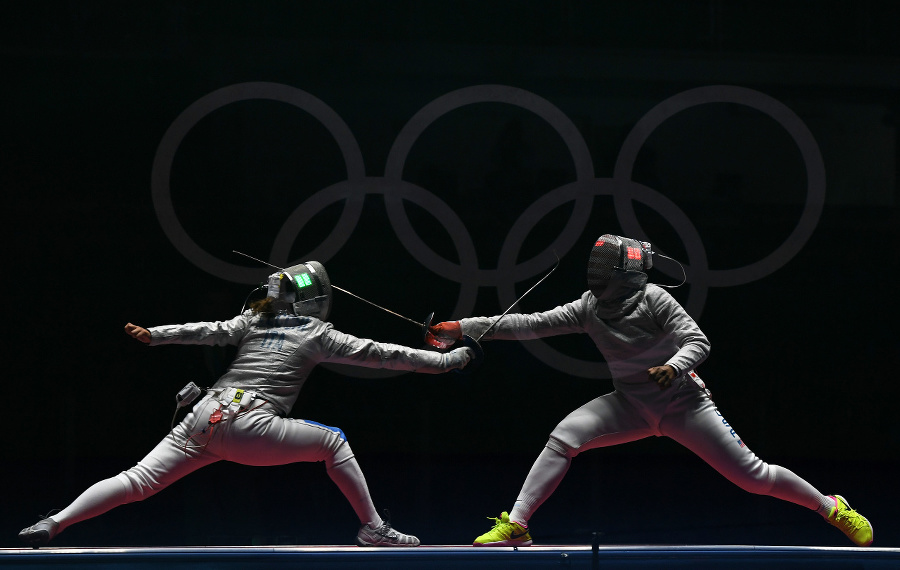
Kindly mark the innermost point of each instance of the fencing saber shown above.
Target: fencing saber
(423, 325)
(473, 343)
(516, 302)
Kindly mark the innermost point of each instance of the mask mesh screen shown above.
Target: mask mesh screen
(604, 258)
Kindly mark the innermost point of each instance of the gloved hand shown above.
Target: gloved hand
(443, 335)
(458, 358)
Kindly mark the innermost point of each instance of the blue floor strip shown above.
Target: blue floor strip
(436, 557)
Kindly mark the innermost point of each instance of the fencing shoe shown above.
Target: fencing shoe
(40, 532)
(854, 525)
(384, 535)
(504, 533)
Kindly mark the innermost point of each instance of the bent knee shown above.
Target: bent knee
(340, 453)
(334, 449)
(561, 447)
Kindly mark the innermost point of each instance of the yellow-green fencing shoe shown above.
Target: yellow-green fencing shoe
(854, 525)
(504, 533)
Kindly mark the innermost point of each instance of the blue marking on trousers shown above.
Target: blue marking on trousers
(339, 431)
(730, 429)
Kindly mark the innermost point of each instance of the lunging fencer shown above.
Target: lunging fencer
(653, 348)
(242, 418)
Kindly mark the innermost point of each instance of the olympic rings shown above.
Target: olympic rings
(467, 273)
(165, 156)
(815, 173)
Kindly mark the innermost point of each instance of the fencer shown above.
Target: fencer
(653, 348)
(242, 417)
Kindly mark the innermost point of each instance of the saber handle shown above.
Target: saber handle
(476, 361)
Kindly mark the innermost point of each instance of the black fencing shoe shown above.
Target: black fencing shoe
(39, 533)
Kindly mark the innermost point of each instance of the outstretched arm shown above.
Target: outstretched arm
(564, 319)
(139, 333)
(215, 333)
(342, 348)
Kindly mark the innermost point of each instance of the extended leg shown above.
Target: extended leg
(700, 427)
(165, 464)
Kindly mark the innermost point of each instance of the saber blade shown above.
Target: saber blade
(418, 324)
(255, 259)
(516, 302)
(425, 325)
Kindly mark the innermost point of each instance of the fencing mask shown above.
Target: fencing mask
(617, 266)
(303, 289)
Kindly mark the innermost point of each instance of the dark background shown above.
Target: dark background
(801, 359)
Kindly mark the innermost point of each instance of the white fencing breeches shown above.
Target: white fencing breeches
(257, 437)
(690, 418)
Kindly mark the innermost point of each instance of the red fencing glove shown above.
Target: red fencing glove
(443, 335)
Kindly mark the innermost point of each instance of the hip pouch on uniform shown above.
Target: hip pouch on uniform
(235, 400)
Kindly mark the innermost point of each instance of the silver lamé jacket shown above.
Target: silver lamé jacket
(276, 353)
(648, 328)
